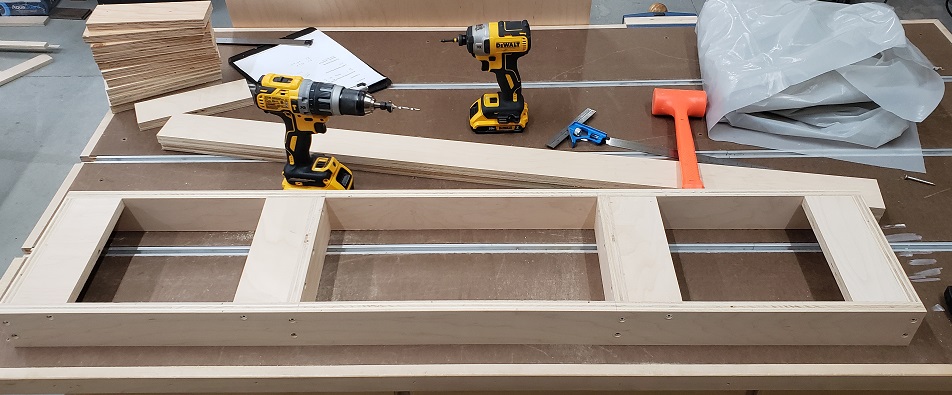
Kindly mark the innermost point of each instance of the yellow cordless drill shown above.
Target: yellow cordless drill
(305, 106)
(498, 46)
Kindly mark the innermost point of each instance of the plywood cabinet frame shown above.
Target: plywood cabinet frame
(642, 306)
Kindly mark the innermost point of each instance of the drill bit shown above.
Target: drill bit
(388, 105)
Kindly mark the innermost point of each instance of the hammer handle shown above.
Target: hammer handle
(687, 157)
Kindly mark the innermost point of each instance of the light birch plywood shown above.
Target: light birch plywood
(510, 166)
(67, 252)
(131, 34)
(27, 46)
(288, 248)
(29, 66)
(26, 20)
(863, 263)
(305, 13)
(47, 215)
(633, 251)
(206, 101)
(189, 14)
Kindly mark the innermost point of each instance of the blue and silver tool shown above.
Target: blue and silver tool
(578, 131)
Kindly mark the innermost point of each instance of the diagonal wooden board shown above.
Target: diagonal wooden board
(210, 100)
(24, 68)
(488, 163)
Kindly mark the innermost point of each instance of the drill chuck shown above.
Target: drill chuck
(321, 98)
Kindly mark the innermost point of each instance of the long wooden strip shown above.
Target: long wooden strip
(633, 251)
(862, 261)
(24, 68)
(463, 322)
(27, 46)
(487, 163)
(28, 20)
(143, 16)
(67, 252)
(211, 100)
(289, 243)
(303, 13)
(502, 377)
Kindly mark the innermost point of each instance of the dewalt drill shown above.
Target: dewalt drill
(498, 47)
(305, 106)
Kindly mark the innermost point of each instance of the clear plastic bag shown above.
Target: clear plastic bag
(814, 71)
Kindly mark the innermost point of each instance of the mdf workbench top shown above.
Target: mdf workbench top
(557, 55)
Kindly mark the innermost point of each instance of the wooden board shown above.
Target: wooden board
(509, 166)
(47, 215)
(24, 68)
(204, 101)
(27, 46)
(457, 13)
(857, 264)
(141, 34)
(641, 266)
(10, 21)
(67, 251)
(10, 276)
(189, 14)
(287, 252)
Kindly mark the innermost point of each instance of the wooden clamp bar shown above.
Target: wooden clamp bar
(274, 303)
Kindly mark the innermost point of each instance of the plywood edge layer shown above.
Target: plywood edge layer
(476, 377)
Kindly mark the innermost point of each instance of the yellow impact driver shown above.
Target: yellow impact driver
(305, 106)
(498, 47)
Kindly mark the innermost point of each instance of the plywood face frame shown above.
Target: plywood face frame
(643, 303)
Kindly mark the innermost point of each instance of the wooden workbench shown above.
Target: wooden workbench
(578, 54)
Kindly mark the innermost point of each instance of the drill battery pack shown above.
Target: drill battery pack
(489, 115)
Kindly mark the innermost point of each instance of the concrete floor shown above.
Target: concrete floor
(47, 117)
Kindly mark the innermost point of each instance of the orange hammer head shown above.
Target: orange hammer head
(669, 101)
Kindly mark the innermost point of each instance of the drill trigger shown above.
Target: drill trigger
(582, 132)
(484, 65)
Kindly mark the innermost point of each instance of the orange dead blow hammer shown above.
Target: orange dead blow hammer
(682, 104)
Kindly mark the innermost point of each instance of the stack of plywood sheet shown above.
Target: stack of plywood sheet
(147, 50)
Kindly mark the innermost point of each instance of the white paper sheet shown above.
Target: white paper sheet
(325, 61)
